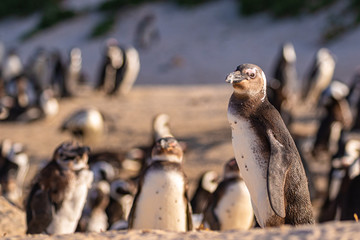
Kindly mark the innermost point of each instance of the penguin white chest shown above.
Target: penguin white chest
(249, 159)
(161, 203)
(66, 218)
(234, 210)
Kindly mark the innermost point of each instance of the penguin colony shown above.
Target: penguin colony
(266, 184)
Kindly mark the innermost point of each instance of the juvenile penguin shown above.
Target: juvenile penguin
(58, 196)
(266, 153)
(207, 184)
(161, 201)
(230, 205)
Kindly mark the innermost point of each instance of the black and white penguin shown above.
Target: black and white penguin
(87, 125)
(14, 165)
(119, 69)
(74, 73)
(337, 117)
(281, 91)
(207, 184)
(230, 205)
(345, 167)
(59, 192)
(122, 193)
(161, 201)
(94, 217)
(319, 77)
(12, 66)
(266, 153)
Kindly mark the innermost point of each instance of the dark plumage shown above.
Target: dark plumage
(59, 191)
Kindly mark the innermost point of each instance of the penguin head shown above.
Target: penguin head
(209, 181)
(71, 156)
(288, 52)
(103, 171)
(167, 149)
(248, 81)
(121, 187)
(231, 169)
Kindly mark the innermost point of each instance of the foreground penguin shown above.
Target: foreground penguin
(58, 196)
(266, 153)
(230, 204)
(161, 201)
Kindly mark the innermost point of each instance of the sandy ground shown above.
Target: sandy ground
(182, 75)
(198, 117)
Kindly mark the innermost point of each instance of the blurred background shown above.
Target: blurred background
(186, 42)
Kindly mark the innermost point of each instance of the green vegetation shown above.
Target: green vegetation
(51, 15)
(281, 8)
(22, 8)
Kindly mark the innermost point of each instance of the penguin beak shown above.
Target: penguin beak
(234, 77)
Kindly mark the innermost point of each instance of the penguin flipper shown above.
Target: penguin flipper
(276, 175)
(40, 212)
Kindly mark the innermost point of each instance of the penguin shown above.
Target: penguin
(13, 66)
(354, 100)
(266, 153)
(345, 167)
(206, 186)
(119, 70)
(161, 201)
(320, 76)
(146, 33)
(74, 73)
(281, 90)
(87, 124)
(338, 117)
(14, 166)
(230, 207)
(94, 217)
(59, 191)
(122, 193)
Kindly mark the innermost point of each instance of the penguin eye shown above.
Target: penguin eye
(252, 75)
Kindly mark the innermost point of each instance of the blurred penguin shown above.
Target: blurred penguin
(13, 66)
(86, 125)
(14, 165)
(354, 100)
(206, 186)
(94, 218)
(337, 117)
(147, 32)
(119, 69)
(344, 168)
(122, 194)
(230, 205)
(74, 74)
(320, 76)
(282, 89)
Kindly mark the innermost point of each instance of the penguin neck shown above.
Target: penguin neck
(245, 104)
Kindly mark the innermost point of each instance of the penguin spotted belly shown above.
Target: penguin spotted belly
(252, 167)
(66, 218)
(233, 209)
(161, 203)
